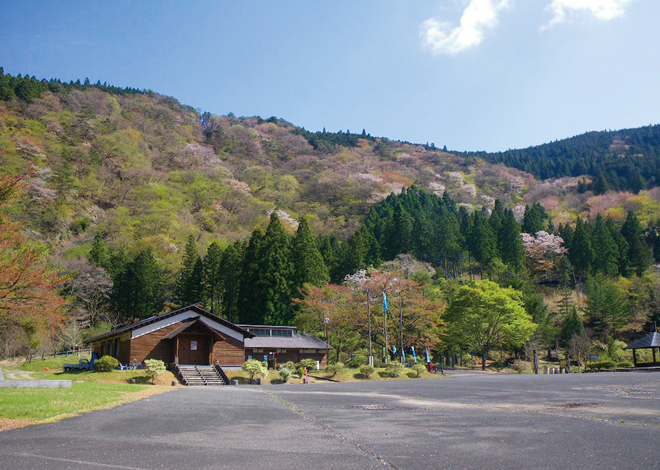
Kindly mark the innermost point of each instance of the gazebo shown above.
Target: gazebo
(650, 341)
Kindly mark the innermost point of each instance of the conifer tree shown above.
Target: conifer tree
(639, 253)
(100, 253)
(137, 290)
(188, 284)
(213, 278)
(250, 303)
(230, 282)
(309, 266)
(581, 253)
(607, 260)
(274, 285)
(482, 241)
(510, 244)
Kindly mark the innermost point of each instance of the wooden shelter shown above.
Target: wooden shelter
(189, 335)
(650, 341)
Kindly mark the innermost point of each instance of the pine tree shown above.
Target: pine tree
(309, 266)
(581, 253)
(250, 304)
(639, 253)
(230, 282)
(213, 278)
(274, 285)
(482, 241)
(188, 284)
(137, 290)
(572, 326)
(607, 260)
(510, 244)
(100, 253)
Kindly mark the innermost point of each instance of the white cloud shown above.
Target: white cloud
(443, 38)
(601, 9)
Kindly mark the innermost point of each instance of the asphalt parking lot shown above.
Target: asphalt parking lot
(605, 420)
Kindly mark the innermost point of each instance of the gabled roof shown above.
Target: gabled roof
(301, 341)
(651, 340)
(157, 318)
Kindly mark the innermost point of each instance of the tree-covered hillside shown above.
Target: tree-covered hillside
(628, 159)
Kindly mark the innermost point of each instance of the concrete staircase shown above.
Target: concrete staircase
(201, 375)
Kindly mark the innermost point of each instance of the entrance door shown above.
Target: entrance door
(194, 349)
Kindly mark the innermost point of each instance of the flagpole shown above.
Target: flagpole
(401, 326)
(385, 309)
(371, 354)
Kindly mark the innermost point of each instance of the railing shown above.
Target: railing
(222, 374)
(44, 355)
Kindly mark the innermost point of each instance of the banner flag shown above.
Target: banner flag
(385, 307)
(393, 349)
(428, 358)
(414, 355)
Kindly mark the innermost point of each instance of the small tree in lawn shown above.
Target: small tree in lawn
(483, 316)
(154, 368)
(254, 368)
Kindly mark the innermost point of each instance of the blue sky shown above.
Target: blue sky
(468, 74)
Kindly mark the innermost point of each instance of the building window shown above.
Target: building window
(283, 333)
(193, 345)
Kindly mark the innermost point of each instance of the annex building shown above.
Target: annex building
(193, 336)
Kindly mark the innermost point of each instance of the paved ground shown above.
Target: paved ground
(599, 421)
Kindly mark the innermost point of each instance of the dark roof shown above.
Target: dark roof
(147, 321)
(652, 340)
(269, 327)
(300, 341)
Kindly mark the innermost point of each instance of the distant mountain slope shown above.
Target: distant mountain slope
(628, 159)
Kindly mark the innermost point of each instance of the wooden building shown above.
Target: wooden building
(189, 335)
(280, 344)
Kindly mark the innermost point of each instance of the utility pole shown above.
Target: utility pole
(385, 310)
(401, 325)
(327, 345)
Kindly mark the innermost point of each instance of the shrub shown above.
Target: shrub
(254, 368)
(521, 366)
(358, 360)
(418, 369)
(154, 368)
(394, 369)
(367, 370)
(309, 363)
(285, 373)
(601, 365)
(333, 369)
(105, 364)
(624, 364)
(301, 372)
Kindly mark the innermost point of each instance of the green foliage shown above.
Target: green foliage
(106, 364)
(418, 369)
(154, 368)
(367, 371)
(521, 366)
(309, 267)
(357, 361)
(137, 290)
(255, 368)
(601, 365)
(310, 364)
(334, 369)
(286, 373)
(483, 316)
(394, 369)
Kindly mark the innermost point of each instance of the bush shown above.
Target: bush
(358, 360)
(333, 369)
(309, 363)
(418, 369)
(285, 373)
(106, 364)
(254, 368)
(154, 368)
(301, 372)
(394, 369)
(367, 370)
(521, 366)
(601, 365)
(624, 364)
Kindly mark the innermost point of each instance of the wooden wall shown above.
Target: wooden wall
(153, 346)
(228, 352)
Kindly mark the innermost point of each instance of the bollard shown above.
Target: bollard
(174, 382)
(260, 381)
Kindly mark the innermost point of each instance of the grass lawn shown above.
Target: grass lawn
(89, 391)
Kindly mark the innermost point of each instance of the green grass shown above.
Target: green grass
(52, 363)
(42, 404)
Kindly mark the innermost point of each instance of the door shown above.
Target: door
(194, 349)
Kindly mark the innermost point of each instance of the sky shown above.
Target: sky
(469, 74)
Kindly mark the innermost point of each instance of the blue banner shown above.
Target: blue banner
(385, 307)
(393, 349)
(414, 355)
(428, 358)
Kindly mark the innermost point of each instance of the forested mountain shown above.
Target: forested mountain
(628, 159)
(143, 204)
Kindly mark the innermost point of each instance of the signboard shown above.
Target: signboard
(593, 357)
(266, 357)
(193, 345)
